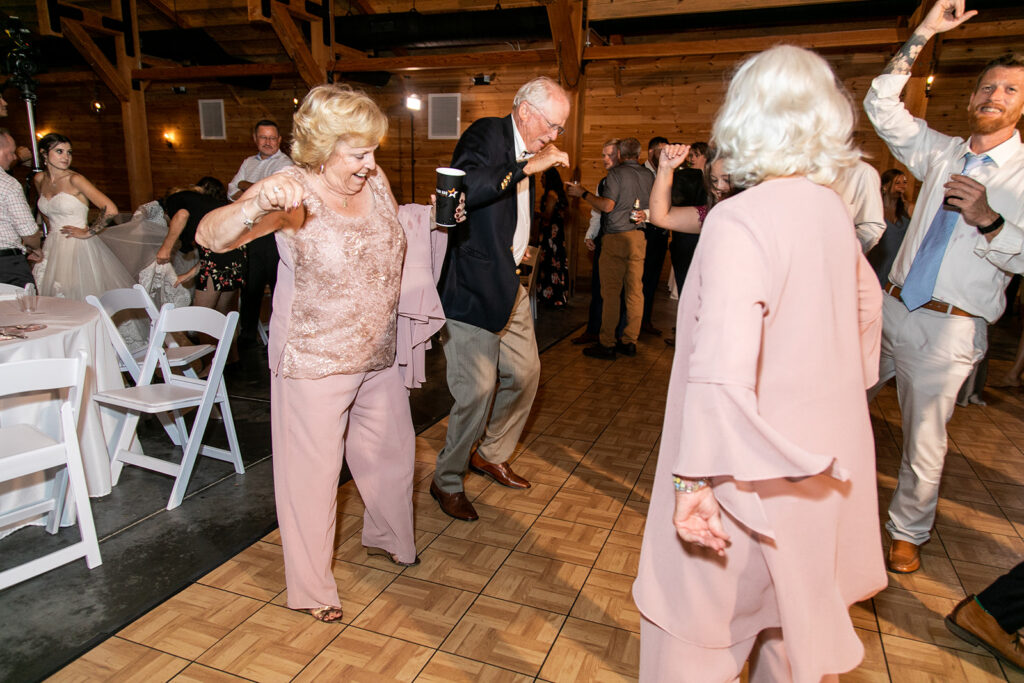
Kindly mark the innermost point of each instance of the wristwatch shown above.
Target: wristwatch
(993, 226)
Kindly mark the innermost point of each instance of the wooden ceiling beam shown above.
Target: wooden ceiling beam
(981, 30)
(50, 22)
(205, 73)
(170, 13)
(107, 72)
(566, 19)
(831, 39)
(310, 71)
(454, 61)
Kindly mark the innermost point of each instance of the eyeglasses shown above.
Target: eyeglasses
(553, 126)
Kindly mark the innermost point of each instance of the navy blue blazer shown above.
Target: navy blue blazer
(479, 282)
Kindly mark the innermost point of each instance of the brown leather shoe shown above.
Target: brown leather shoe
(502, 473)
(970, 621)
(904, 557)
(454, 504)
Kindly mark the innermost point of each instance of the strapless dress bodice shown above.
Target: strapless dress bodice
(64, 209)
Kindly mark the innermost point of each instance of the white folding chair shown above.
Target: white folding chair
(25, 450)
(137, 298)
(175, 393)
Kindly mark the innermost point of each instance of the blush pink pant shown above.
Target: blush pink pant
(363, 419)
(667, 659)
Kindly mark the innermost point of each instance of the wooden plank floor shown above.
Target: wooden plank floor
(539, 588)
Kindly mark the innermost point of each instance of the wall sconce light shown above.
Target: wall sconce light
(413, 102)
(169, 139)
(97, 107)
(40, 134)
(928, 85)
(295, 103)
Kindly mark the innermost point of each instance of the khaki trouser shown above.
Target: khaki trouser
(622, 264)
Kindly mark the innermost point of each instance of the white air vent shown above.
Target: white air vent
(211, 120)
(445, 116)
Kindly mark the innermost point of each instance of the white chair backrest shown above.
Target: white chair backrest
(46, 374)
(109, 304)
(189, 319)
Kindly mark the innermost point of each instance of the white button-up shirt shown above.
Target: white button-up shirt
(860, 188)
(974, 271)
(524, 212)
(15, 217)
(257, 168)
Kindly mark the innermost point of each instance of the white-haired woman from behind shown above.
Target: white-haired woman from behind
(763, 528)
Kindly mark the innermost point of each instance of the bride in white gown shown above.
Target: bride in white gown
(74, 264)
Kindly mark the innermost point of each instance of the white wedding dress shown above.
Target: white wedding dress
(73, 268)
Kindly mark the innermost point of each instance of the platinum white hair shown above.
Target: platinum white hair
(785, 113)
(538, 92)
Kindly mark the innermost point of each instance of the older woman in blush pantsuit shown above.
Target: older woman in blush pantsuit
(763, 527)
(336, 389)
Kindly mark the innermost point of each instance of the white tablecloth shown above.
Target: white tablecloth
(70, 326)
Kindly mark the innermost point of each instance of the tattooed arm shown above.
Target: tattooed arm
(943, 16)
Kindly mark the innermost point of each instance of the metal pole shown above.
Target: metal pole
(32, 132)
(412, 148)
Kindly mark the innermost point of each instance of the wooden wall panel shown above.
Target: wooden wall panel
(677, 98)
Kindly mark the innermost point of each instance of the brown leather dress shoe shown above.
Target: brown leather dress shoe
(454, 504)
(970, 621)
(502, 473)
(904, 557)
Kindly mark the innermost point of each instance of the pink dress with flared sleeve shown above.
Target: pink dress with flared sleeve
(778, 337)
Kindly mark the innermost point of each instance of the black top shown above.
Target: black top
(197, 205)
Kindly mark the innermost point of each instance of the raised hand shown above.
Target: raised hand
(673, 156)
(547, 157)
(946, 15)
(279, 193)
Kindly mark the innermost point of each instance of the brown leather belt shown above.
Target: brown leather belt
(933, 305)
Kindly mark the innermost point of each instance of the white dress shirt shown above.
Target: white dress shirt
(861, 190)
(974, 271)
(257, 168)
(15, 217)
(524, 215)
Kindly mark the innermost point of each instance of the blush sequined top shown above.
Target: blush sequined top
(336, 300)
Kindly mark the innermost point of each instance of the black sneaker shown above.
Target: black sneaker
(626, 349)
(600, 351)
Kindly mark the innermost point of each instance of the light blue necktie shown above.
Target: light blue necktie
(920, 282)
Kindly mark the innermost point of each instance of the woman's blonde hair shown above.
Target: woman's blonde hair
(330, 113)
(785, 113)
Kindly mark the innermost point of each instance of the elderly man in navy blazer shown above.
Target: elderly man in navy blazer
(489, 342)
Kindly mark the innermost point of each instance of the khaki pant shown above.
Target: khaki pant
(622, 264)
(493, 379)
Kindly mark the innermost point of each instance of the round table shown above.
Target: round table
(71, 326)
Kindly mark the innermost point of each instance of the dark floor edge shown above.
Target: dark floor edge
(230, 550)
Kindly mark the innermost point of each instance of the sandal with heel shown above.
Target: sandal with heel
(390, 556)
(328, 615)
